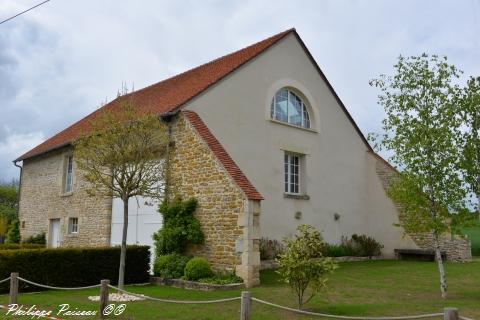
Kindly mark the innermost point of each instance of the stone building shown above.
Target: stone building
(261, 140)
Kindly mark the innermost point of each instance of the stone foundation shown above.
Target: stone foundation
(456, 249)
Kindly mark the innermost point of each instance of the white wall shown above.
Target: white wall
(143, 221)
(341, 177)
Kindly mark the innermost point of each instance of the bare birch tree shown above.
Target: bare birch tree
(419, 129)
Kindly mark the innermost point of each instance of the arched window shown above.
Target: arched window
(288, 107)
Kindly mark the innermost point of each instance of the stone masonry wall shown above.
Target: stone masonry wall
(42, 199)
(457, 249)
(223, 209)
(195, 172)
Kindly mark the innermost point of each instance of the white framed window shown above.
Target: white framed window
(288, 107)
(72, 225)
(292, 172)
(68, 175)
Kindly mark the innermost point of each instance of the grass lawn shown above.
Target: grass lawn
(375, 288)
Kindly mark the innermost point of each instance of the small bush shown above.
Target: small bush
(340, 250)
(270, 249)
(367, 245)
(170, 266)
(198, 268)
(356, 246)
(303, 266)
(38, 239)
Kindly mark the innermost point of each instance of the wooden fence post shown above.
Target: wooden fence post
(13, 287)
(245, 306)
(450, 314)
(103, 296)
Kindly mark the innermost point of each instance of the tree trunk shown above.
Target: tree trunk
(123, 250)
(441, 269)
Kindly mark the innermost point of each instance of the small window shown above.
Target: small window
(287, 107)
(23, 224)
(292, 173)
(73, 225)
(68, 175)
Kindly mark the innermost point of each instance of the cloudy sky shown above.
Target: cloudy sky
(60, 61)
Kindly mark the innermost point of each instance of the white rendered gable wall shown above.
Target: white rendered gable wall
(143, 221)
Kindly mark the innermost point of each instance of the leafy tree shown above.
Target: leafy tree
(180, 227)
(3, 227)
(13, 235)
(469, 137)
(8, 200)
(8, 195)
(302, 264)
(122, 157)
(420, 128)
(8, 206)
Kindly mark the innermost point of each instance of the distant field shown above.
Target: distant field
(474, 235)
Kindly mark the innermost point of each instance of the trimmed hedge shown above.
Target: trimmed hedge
(16, 246)
(74, 267)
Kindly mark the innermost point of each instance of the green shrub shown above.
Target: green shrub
(340, 250)
(198, 268)
(13, 234)
(170, 266)
(270, 249)
(180, 227)
(38, 239)
(357, 246)
(17, 246)
(367, 245)
(225, 277)
(303, 266)
(74, 267)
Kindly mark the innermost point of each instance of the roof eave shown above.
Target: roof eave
(330, 87)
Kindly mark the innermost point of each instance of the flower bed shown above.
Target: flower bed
(186, 284)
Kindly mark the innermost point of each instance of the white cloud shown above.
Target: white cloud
(12, 147)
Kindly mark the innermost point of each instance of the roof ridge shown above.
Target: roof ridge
(167, 95)
(283, 33)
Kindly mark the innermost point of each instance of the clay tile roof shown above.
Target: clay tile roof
(222, 155)
(167, 95)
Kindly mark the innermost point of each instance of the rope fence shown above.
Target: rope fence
(57, 288)
(422, 316)
(245, 302)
